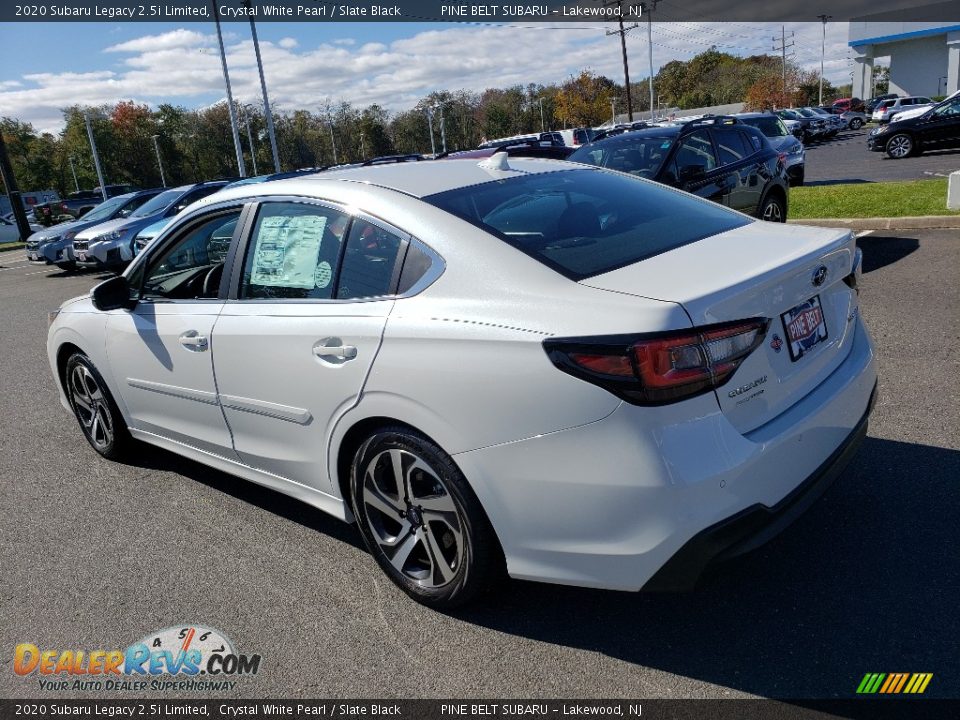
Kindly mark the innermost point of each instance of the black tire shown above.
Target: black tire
(797, 180)
(404, 521)
(773, 209)
(93, 406)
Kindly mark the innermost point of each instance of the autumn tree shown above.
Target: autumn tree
(585, 99)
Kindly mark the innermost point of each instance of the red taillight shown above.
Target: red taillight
(63, 206)
(660, 368)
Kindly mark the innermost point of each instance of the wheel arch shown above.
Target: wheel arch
(774, 191)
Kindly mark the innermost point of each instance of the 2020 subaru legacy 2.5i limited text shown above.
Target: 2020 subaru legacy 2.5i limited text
(564, 372)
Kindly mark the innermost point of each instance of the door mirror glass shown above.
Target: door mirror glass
(112, 294)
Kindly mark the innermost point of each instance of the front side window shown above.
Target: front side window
(951, 109)
(192, 266)
(157, 203)
(293, 252)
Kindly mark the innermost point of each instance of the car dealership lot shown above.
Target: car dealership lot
(97, 554)
(846, 159)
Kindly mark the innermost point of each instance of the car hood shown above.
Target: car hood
(103, 228)
(782, 144)
(154, 229)
(52, 233)
(911, 113)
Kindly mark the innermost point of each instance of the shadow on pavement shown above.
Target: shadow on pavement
(880, 251)
(848, 181)
(866, 581)
(154, 458)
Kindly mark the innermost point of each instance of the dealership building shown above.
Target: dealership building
(924, 58)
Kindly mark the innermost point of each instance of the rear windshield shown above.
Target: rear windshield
(769, 125)
(587, 222)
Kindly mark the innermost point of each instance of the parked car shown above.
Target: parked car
(843, 105)
(576, 137)
(812, 126)
(872, 103)
(790, 148)
(888, 108)
(55, 244)
(938, 128)
(109, 245)
(77, 204)
(532, 150)
(854, 119)
(553, 138)
(833, 123)
(717, 158)
(919, 110)
(9, 232)
(653, 379)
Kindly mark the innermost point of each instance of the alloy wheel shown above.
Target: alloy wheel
(856, 124)
(899, 146)
(772, 212)
(413, 518)
(90, 406)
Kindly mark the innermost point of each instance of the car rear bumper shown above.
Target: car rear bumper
(611, 503)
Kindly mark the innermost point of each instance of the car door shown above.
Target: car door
(160, 350)
(696, 169)
(741, 163)
(940, 127)
(299, 334)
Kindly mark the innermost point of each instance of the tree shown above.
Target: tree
(585, 99)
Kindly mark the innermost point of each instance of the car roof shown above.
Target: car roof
(417, 179)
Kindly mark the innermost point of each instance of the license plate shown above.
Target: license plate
(33, 256)
(805, 327)
(82, 256)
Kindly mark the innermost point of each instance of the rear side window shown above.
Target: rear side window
(587, 222)
(369, 263)
(730, 145)
(293, 252)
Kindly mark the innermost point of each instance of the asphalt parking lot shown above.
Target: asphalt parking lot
(845, 159)
(95, 554)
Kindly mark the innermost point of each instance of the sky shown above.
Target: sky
(47, 66)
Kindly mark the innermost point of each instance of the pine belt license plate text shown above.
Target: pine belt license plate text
(81, 256)
(805, 327)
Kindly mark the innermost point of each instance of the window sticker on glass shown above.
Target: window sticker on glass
(286, 252)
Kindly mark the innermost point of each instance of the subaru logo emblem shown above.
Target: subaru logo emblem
(819, 276)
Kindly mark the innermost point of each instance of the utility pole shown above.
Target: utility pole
(73, 171)
(263, 90)
(156, 147)
(783, 49)
(823, 50)
(226, 78)
(96, 156)
(433, 146)
(363, 147)
(6, 172)
(253, 149)
(622, 32)
(649, 8)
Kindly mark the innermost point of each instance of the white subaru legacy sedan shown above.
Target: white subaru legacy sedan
(560, 372)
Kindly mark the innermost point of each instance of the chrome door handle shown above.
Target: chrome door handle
(194, 341)
(335, 352)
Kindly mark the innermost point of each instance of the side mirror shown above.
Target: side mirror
(689, 173)
(112, 294)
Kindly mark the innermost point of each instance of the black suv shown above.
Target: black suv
(717, 158)
(937, 129)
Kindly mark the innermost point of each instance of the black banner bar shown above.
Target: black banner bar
(512, 11)
(874, 708)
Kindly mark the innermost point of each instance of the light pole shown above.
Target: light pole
(823, 50)
(73, 171)
(433, 146)
(253, 149)
(443, 127)
(333, 142)
(613, 112)
(658, 104)
(156, 147)
(263, 90)
(226, 79)
(650, 7)
(543, 125)
(96, 156)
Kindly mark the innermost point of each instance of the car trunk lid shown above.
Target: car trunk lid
(792, 275)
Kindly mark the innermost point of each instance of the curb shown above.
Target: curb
(12, 246)
(922, 222)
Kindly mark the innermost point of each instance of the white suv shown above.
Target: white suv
(885, 111)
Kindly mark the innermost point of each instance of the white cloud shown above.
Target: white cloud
(185, 63)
